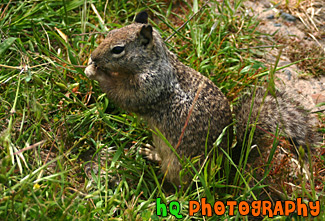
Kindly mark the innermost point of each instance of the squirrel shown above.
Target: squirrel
(139, 74)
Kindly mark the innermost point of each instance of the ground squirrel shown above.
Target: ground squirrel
(137, 71)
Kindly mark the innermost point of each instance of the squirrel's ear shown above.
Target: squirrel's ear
(142, 18)
(146, 35)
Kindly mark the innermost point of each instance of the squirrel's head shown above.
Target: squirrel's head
(128, 50)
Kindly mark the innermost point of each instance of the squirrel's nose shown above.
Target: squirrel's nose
(92, 62)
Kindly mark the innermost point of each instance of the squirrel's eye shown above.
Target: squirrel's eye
(118, 49)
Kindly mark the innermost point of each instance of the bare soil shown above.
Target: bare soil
(302, 36)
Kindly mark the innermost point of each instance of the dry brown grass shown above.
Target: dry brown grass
(311, 14)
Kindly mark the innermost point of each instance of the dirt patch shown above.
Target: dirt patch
(300, 30)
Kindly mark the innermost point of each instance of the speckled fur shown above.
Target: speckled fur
(281, 111)
(146, 78)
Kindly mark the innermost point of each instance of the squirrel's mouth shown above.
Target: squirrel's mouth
(94, 72)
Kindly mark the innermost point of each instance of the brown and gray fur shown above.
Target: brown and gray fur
(137, 71)
(274, 114)
(277, 111)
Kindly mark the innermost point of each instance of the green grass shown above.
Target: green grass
(59, 120)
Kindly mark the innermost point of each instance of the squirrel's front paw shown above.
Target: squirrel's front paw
(150, 153)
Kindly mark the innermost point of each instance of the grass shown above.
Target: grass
(54, 120)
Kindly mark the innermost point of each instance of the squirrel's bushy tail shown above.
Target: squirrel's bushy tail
(293, 122)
